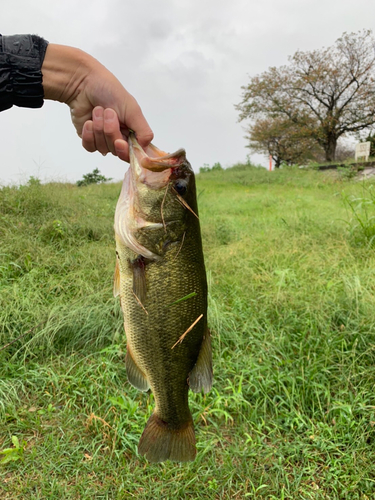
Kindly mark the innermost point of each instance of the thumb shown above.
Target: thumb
(134, 120)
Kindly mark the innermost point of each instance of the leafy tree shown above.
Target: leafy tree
(94, 177)
(33, 181)
(328, 92)
(281, 139)
(206, 167)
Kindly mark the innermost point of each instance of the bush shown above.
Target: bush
(206, 167)
(94, 177)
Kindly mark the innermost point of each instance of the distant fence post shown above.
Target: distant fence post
(270, 167)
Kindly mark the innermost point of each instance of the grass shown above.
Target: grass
(292, 313)
(361, 162)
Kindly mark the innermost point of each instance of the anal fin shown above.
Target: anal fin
(200, 376)
(135, 375)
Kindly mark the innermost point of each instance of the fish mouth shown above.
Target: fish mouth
(150, 168)
(151, 165)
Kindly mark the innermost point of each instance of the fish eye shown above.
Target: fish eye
(180, 186)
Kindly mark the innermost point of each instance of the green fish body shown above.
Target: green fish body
(161, 279)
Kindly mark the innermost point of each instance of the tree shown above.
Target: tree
(345, 150)
(328, 92)
(281, 139)
(94, 177)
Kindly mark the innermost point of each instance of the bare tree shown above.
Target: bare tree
(328, 92)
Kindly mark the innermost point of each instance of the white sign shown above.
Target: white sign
(362, 150)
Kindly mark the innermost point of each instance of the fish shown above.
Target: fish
(160, 277)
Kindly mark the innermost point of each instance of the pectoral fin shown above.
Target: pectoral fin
(139, 278)
(135, 375)
(116, 279)
(200, 376)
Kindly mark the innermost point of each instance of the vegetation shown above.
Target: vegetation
(292, 315)
(371, 138)
(281, 140)
(325, 94)
(95, 177)
(206, 167)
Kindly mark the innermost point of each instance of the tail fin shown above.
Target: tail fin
(159, 442)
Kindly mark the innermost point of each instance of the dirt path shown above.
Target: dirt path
(366, 173)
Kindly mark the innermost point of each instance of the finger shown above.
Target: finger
(111, 129)
(135, 120)
(88, 138)
(98, 127)
(122, 149)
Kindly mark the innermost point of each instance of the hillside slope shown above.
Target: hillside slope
(292, 314)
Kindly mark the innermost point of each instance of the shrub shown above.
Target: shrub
(95, 177)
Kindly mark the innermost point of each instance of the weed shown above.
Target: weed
(13, 454)
(362, 222)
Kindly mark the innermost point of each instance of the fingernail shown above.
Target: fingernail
(88, 127)
(109, 115)
(98, 112)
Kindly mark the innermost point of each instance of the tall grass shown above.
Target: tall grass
(362, 216)
(292, 316)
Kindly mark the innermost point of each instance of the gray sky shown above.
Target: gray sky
(183, 60)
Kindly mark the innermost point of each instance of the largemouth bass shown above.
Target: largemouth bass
(161, 279)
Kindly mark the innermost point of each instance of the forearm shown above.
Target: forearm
(31, 69)
(101, 109)
(64, 72)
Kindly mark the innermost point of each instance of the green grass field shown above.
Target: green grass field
(291, 415)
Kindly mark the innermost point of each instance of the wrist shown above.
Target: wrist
(64, 72)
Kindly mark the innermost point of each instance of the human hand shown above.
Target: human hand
(105, 134)
(102, 110)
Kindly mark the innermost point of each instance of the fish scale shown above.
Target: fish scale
(160, 261)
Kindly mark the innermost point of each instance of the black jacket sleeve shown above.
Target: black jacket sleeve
(21, 59)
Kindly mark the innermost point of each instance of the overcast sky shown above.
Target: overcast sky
(183, 60)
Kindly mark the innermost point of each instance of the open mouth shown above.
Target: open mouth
(153, 166)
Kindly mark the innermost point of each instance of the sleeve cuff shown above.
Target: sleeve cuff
(21, 80)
